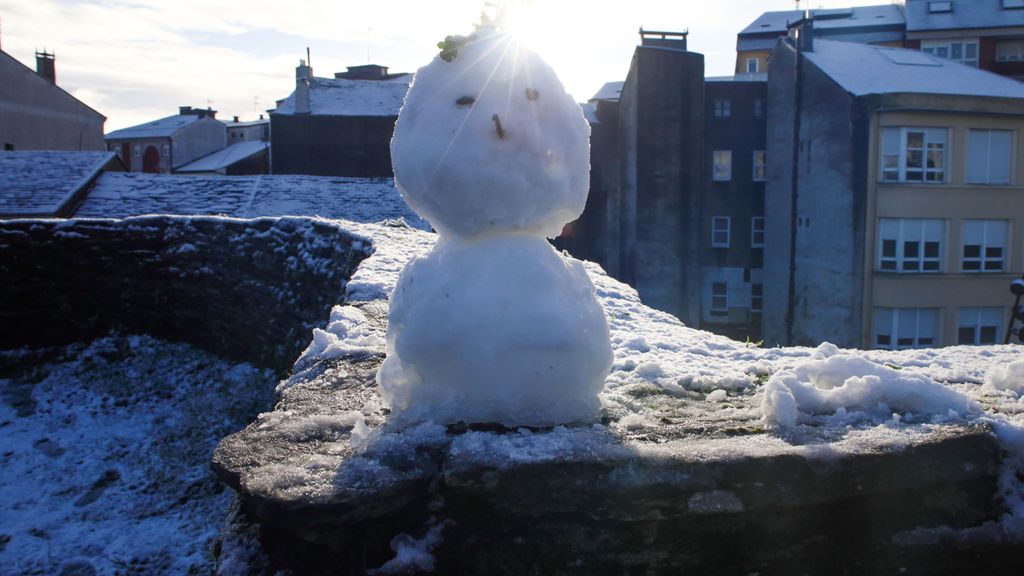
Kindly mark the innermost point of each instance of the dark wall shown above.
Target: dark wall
(248, 290)
(669, 177)
(323, 145)
(258, 163)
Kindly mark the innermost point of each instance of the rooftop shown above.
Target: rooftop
(862, 69)
(225, 157)
(45, 183)
(883, 15)
(968, 14)
(162, 128)
(341, 97)
(610, 91)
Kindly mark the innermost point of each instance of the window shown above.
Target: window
(751, 65)
(759, 108)
(136, 151)
(1010, 50)
(759, 166)
(906, 327)
(166, 150)
(723, 108)
(720, 231)
(939, 7)
(979, 325)
(962, 51)
(913, 154)
(988, 156)
(910, 245)
(757, 232)
(722, 170)
(8, 146)
(984, 245)
(719, 299)
(756, 298)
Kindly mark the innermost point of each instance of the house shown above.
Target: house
(238, 159)
(247, 131)
(49, 184)
(986, 34)
(883, 24)
(894, 197)
(37, 114)
(338, 126)
(732, 236)
(164, 145)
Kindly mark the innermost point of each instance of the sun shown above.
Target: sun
(543, 26)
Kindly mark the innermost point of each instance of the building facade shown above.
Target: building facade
(36, 114)
(986, 34)
(893, 199)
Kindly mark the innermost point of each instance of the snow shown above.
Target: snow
(513, 156)
(342, 97)
(1008, 376)
(121, 195)
(503, 329)
(862, 69)
(965, 15)
(493, 325)
(225, 157)
(42, 183)
(105, 457)
(162, 128)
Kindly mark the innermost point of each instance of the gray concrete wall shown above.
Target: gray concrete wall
(196, 140)
(38, 115)
(828, 281)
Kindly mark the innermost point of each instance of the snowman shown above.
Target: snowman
(493, 325)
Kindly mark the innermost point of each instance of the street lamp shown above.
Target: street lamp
(1016, 313)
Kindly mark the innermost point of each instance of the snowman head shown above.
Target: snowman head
(488, 141)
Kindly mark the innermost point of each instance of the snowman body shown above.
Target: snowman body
(493, 325)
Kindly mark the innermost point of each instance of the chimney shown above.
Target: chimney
(303, 78)
(185, 110)
(661, 39)
(236, 119)
(803, 29)
(46, 66)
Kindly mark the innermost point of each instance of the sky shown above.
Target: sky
(138, 60)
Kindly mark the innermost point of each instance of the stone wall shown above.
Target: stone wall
(246, 289)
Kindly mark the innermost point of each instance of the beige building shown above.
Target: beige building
(903, 227)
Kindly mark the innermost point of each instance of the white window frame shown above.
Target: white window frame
(947, 49)
(756, 297)
(755, 63)
(165, 150)
(994, 237)
(721, 165)
(757, 232)
(136, 150)
(719, 299)
(897, 156)
(896, 324)
(980, 142)
(760, 166)
(977, 320)
(723, 107)
(910, 230)
(1010, 50)
(721, 231)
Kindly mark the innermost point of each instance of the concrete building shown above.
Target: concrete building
(883, 24)
(169, 143)
(36, 114)
(338, 126)
(732, 234)
(986, 34)
(894, 197)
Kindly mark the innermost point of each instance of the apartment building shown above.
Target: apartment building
(986, 34)
(894, 201)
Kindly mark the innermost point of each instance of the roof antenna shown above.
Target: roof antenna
(309, 62)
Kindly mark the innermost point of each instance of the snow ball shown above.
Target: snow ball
(1007, 376)
(826, 350)
(717, 396)
(490, 141)
(502, 329)
(650, 371)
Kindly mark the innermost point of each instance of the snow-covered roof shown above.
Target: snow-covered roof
(44, 183)
(753, 77)
(965, 14)
(610, 91)
(882, 23)
(162, 128)
(225, 157)
(341, 97)
(861, 69)
(244, 124)
(357, 199)
(590, 112)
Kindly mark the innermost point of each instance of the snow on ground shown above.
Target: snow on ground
(105, 455)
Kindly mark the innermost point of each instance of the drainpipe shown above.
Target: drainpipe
(795, 174)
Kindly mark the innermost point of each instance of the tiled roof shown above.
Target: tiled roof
(44, 183)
